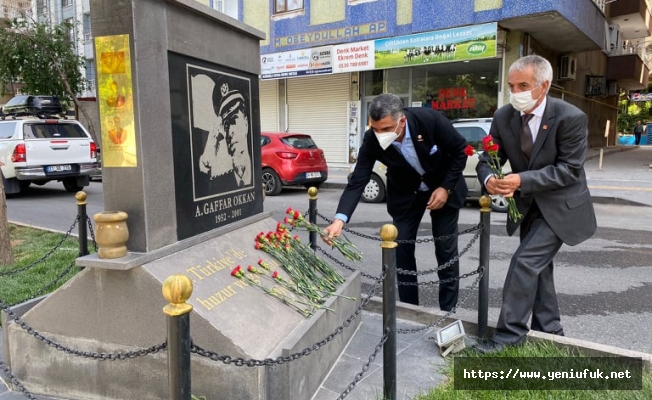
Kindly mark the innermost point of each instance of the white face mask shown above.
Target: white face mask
(523, 101)
(386, 138)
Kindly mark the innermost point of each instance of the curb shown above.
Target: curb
(426, 316)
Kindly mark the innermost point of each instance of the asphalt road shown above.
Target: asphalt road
(604, 284)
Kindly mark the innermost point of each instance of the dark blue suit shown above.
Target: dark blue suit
(406, 204)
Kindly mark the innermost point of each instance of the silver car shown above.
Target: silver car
(473, 131)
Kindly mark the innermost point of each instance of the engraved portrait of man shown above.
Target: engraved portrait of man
(221, 127)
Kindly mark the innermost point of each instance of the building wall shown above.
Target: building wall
(401, 17)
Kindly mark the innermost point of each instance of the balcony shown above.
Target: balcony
(627, 64)
(632, 17)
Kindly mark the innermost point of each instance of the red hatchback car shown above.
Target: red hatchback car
(291, 159)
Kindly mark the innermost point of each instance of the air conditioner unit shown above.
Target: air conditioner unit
(567, 67)
(614, 31)
(612, 88)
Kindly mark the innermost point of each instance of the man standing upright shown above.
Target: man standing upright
(424, 155)
(638, 130)
(545, 141)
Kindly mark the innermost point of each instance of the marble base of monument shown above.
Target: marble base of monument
(111, 310)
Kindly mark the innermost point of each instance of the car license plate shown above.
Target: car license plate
(58, 168)
(313, 175)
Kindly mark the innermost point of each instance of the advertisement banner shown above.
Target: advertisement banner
(641, 97)
(457, 44)
(352, 57)
(313, 61)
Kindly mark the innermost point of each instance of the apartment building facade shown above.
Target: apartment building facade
(324, 60)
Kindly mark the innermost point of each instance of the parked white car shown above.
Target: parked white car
(38, 147)
(473, 131)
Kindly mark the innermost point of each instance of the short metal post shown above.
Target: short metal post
(312, 215)
(389, 233)
(176, 290)
(81, 213)
(483, 289)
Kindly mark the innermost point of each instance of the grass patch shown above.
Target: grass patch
(446, 391)
(35, 278)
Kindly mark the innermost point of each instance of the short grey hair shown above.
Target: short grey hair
(384, 105)
(541, 66)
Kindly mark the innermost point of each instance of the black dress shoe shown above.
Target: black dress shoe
(488, 347)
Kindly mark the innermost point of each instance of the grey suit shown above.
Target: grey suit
(556, 204)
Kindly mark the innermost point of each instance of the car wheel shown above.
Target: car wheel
(374, 192)
(271, 182)
(71, 185)
(498, 204)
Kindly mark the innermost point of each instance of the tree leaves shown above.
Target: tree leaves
(40, 59)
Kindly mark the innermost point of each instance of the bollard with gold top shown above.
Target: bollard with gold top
(389, 233)
(177, 289)
(81, 230)
(483, 289)
(312, 215)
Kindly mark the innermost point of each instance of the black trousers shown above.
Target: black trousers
(637, 138)
(444, 222)
(529, 285)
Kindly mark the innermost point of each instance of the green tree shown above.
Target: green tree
(42, 59)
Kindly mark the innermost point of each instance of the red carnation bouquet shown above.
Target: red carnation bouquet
(491, 149)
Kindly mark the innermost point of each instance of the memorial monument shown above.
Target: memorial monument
(179, 108)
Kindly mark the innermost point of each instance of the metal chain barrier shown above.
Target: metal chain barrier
(90, 229)
(446, 264)
(47, 287)
(480, 272)
(269, 362)
(86, 354)
(365, 367)
(19, 270)
(341, 264)
(16, 382)
(426, 240)
(454, 278)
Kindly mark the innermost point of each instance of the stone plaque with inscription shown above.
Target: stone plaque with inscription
(215, 133)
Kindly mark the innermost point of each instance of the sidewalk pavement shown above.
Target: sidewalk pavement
(624, 177)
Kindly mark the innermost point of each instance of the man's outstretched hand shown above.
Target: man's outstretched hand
(333, 230)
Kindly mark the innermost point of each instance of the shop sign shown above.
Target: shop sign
(448, 45)
(452, 99)
(641, 97)
(302, 62)
(353, 57)
(456, 44)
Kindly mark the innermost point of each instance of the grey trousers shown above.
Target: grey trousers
(529, 285)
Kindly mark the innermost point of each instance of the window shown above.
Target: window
(71, 28)
(228, 7)
(7, 129)
(66, 3)
(595, 85)
(41, 7)
(472, 134)
(281, 6)
(52, 131)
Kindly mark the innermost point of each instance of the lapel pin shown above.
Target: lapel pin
(419, 138)
(545, 127)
